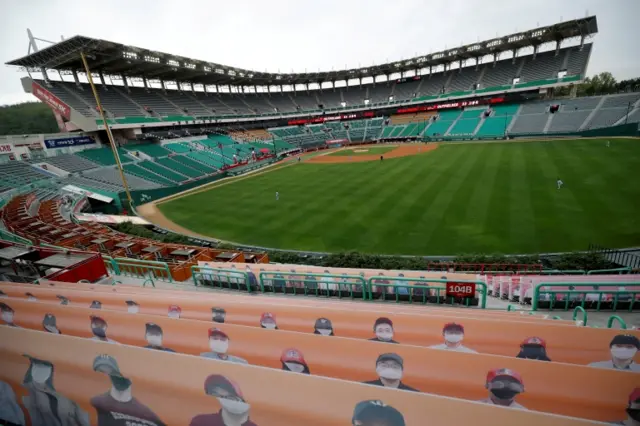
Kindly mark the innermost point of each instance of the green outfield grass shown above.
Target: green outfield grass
(367, 150)
(461, 198)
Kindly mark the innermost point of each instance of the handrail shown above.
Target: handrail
(620, 271)
(612, 318)
(594, 288)
(211, 272)
(315, 284)
(584, 314)
(481, 284)
(149, 265)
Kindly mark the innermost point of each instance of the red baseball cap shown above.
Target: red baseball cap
(534, 341)
(219, 386)
(175, 308)
(217, 331)
(267, 315)
(453, 325)
(293, 355)
(635, 395)
(495, 373)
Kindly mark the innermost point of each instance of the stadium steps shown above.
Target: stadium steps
(548, 124)
(448, 82)
(632, 113)
(513, 120)
(79, 98)
(521, 66)
(147, 175)
(479, 125)
(453, 124)
(164, 172)
(177, 167)
(586, 122)
(179, 110)
(194, 164)
(125, 94)
(565, 61)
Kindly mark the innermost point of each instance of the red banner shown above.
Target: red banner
(50, 99)
(448, 105)
(326, 118)
(5, 148)
(461, 289)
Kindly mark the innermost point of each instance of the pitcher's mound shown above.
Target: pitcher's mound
(360, 150)
(400, 151)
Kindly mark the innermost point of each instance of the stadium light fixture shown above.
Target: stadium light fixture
(190, 65)
(517, 37)
(152, 59)
(219, 71)
(130, 55)
(206, 68)
(173, 63)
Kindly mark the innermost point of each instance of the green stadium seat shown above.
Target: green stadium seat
(152, 150)
(464, 126)
(104, 156)
(180, 148)
(196, 165)
(171, 163)
(159, 170)
(136, 170)
(137, 120)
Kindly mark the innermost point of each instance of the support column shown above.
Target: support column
(535, 51)
(75, 77)
(515, 53)
(125, 82)
(558, 47)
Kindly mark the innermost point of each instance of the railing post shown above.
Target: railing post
(612, 318)
(584, 314)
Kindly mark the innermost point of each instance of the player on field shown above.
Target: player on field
(277, 195)
(560, 183)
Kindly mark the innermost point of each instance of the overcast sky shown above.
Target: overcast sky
(296, 35)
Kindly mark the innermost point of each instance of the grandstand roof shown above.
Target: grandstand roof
(114, 58)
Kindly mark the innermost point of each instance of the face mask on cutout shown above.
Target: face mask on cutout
(120, 383)
(621, 352)
(269, 325)
(7, 317)
(505, 394)
(154, 340)
(294, 366)
(51, 329)
(453, 337)
(384, 335)
(32, 299)
(233, 406)
(40, 373)
(174, 314)
(389, 373)
(133, 309)
(219, 346)
(325, 331)
(634, 413)
(99, 332)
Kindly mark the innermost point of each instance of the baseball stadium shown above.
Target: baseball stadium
(471, 209)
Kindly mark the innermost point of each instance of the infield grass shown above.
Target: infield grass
(460, 198)
(365, 150)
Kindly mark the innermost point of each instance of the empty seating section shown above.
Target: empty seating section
(111, 176)
(621, 101)
(281, 101)
(354, 95)
(104, 156)
(212, 101)
(179, 147)
(379, 93)
(69, 162)
(606, 117)
(305, 100)
(116, 103)
(568, 121)
(136, 170)
(18, 173)
(91, 184)
(579, 104)
(499, 121)
(187, 103)
(173, 165)
(529, 123)
(207, 158)
(175, 176)
(332, 99)
(433, 85)
(153, 100)
(465, 126)
(192, 163)
(464, 79)
(578, 59)
(151, 149)
(408, 90)
(546, 65)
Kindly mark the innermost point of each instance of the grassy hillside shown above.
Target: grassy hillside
(27, 118)
(467, 198)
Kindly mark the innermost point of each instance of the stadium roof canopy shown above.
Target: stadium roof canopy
(118, 59)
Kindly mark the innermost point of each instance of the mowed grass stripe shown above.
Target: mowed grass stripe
(462, 198)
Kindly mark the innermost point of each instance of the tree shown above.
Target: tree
(27, 118)
(600, 84)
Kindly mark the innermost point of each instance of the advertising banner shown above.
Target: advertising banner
(50, 99)
(66, 142)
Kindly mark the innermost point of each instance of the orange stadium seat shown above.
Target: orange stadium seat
(87, 374)
(578, 390)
